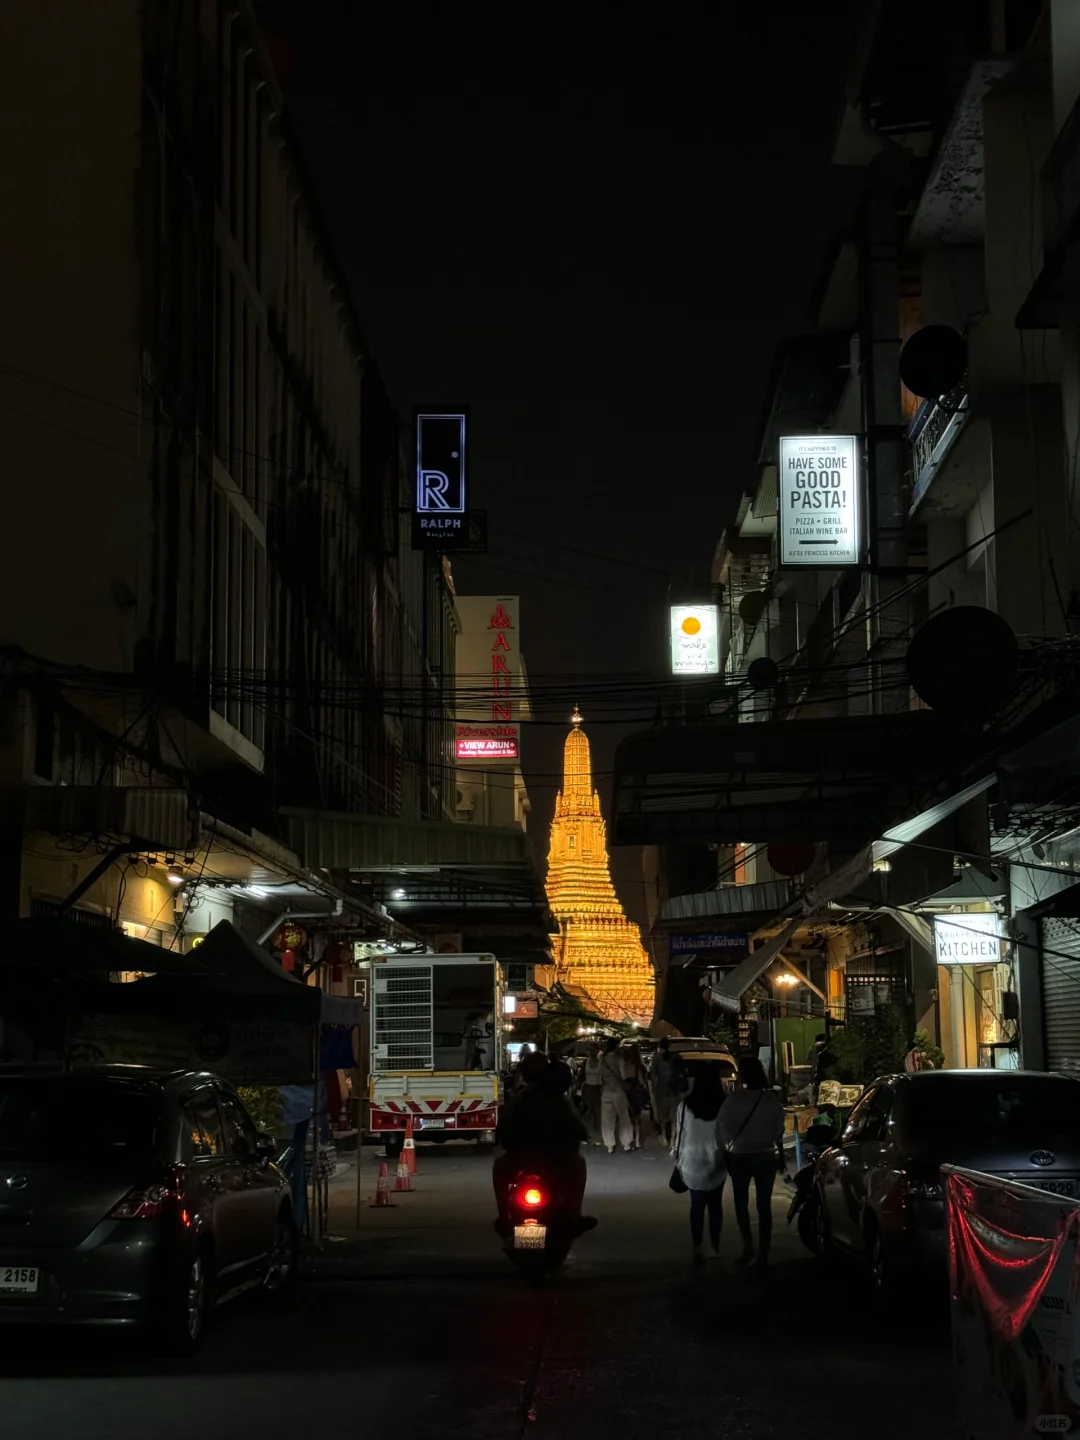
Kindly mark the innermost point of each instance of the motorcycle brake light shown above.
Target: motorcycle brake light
(533, 1196)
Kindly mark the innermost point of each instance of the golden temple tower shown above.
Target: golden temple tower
(598, 951)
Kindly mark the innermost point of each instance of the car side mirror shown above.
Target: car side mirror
(265, 1145)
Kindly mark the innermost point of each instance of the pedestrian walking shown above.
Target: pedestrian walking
(637, 1094)
(699, 1156)
(752, 1130)
(614, 1106)
(667, 1081)
(592, 1089)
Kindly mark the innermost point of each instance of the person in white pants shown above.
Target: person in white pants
(614, 1106)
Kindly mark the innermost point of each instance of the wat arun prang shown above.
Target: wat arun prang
(598, 951)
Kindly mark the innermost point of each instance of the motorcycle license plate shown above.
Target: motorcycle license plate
(530, 1237)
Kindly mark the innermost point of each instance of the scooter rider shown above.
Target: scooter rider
(539, 1130)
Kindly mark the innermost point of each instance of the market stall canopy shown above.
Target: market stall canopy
(60, 944)
(245, 976)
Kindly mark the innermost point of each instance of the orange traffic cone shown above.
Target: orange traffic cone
(403, 1181)
(409, 1150)
(382, 1190)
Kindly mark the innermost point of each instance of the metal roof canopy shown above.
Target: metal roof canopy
(840, 780)
(460, 877)
(333, 840)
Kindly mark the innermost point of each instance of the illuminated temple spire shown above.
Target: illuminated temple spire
(598, 950)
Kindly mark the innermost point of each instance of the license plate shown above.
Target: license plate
(18, 1280)
(432, 1124)
(530, 1237)
(1058, 1187)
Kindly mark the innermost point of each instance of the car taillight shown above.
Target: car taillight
(147, 1203)
(533, 1196)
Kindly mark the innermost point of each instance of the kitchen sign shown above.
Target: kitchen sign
(695, 640)
(968, 939)
(819, 500)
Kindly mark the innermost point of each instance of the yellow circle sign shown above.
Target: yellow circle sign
(691, 625)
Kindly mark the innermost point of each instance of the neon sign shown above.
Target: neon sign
(487, 742)
(440, 463)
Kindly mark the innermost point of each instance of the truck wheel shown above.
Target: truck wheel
(395, 1144)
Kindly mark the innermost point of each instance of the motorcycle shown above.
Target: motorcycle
(804, 1202)
(541, 1224)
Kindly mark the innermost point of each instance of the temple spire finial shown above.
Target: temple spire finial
(575, 719)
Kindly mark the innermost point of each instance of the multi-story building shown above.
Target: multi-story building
(859, 809)
(492, 705)
(209, 613)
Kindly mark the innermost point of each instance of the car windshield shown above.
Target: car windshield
(1026, 1108)
(94, 1121)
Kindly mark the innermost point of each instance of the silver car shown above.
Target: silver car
(879, 1190)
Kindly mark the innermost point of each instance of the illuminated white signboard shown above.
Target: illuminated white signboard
(819, 500)
(968, 939)
(695, 640)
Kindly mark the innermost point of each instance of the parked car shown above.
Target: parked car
(130, 1196)
(697, 1050)
(880, 1194)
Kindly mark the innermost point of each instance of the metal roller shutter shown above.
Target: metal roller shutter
(1061, 993)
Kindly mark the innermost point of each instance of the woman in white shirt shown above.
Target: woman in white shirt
(752, 1130)
(699, 1156)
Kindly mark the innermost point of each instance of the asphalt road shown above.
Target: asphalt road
(416, 1326)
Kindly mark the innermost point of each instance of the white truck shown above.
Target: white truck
(435, 1047)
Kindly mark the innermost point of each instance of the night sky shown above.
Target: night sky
(592, 223)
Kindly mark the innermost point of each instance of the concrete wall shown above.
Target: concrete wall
(73, 434)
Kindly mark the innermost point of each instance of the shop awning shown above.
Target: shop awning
(729, 991)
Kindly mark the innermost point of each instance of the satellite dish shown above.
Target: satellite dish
(790, 857)
(963, 660)
(752, 606)
(933, 361)
(762, 673)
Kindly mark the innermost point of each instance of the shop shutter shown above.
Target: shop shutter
(1061, 993)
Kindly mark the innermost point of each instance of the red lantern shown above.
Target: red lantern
(288, 959)
(790, 857)
(292, 937)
